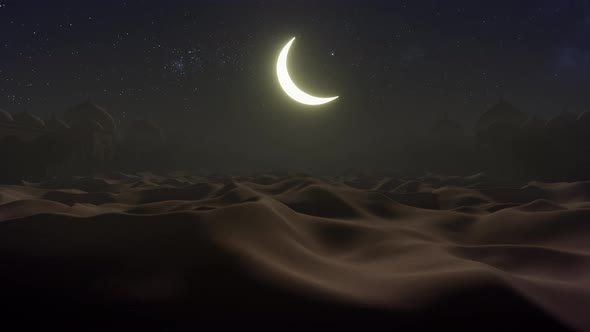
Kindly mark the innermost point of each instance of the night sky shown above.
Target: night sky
(208, 66)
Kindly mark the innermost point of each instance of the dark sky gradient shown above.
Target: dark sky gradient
(208, 66)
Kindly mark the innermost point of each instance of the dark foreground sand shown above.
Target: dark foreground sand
(147, 252)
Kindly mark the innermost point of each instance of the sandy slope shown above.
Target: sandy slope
(122, 249)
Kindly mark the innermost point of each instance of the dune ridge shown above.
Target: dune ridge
(380, 245)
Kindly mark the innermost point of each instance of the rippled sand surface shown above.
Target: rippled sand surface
(172, 252)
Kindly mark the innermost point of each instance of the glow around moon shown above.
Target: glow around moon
(289, 86)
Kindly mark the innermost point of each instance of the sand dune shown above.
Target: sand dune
(168, 252)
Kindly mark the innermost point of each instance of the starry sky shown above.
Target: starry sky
(208, 66)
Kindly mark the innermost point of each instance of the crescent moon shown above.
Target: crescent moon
(289, 86)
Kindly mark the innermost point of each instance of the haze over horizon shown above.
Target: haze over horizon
(168, 165)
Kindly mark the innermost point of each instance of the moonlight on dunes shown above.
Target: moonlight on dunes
(400, 165)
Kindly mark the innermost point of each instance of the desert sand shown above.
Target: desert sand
(123, 251)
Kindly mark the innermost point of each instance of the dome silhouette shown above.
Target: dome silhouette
(56, 124)
(5, 116)
(563, 120)
(89, 125)
(29, 120)
(147, 127)
(79, 115)
(145, 132)
(503, 113)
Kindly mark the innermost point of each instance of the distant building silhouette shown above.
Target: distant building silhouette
(501, 114)
(81, 141)
(88, 112)
(22, 126)
(562, 121)
(507, 143)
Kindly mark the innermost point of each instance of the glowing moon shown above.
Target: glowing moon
(289, 87)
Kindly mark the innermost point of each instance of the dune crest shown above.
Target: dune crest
(383, 247)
